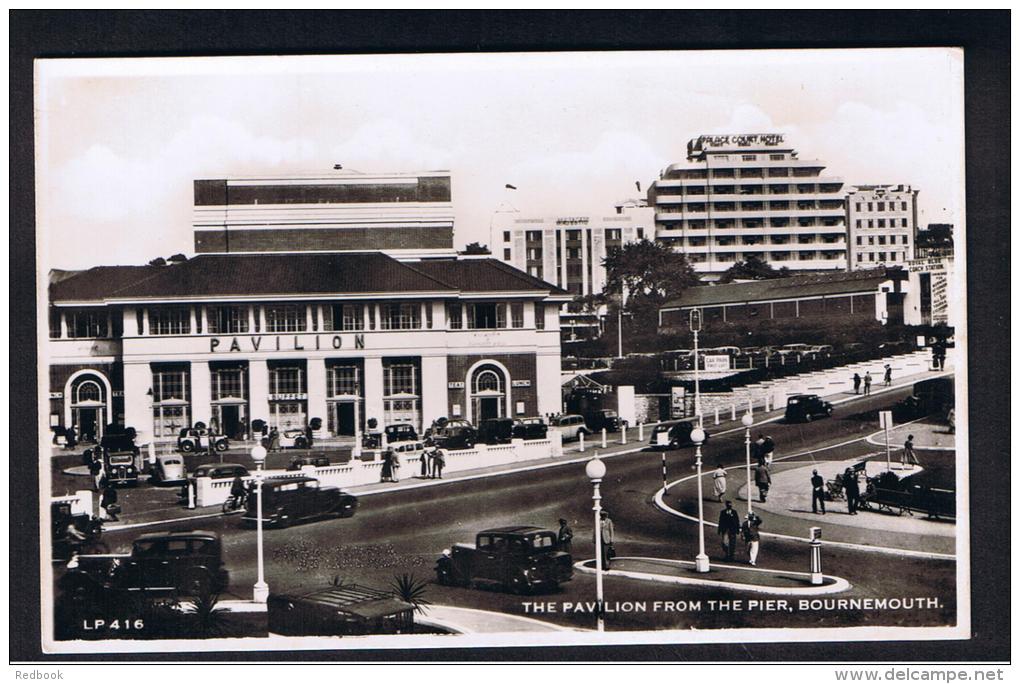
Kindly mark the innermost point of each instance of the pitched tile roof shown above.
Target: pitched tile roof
(784, 288)
(226, 275)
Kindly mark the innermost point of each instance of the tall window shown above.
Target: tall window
(539, 316)
(227, 320)
(88, 391)
(343, 381)
(170, 320)
(54, 323)
(170, 401)
(228, 383)
(403, 316)
(85, 323)
(286, 380)
(455, 313)
(517, 315)
(344, 317)
(401, 392)
(286, 318)
(400, 378)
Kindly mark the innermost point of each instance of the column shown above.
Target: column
(433, 388)
(193, 322)
(137, 398)
(258, 389)
(547, 383)
(439, 321)
(203, 312)
(130, 322)
(201, 392)
(251, 319)
(63, 325)
(374, 389)
(309, 326)
(529, 315)
(317, 389)
(145, 322)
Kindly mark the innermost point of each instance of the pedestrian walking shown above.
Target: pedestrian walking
(96, 471)
(817, 492)
(608, 537)
(395, 464)
(867, 383)
(852, 490)
(564, 536)
(274, 440)
(108, 507)
(762, 480)
(386, 475)
(909, 457)
(857, 383)
(729, 529)
(888, 375)
(768, 448)
(719, 481)
(752, 537)
(758, 449)
(438, 461)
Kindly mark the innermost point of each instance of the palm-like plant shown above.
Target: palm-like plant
(410, 589)
(207, 618)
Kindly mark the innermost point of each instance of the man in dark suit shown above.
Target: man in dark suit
(729, 529)
(817, 492)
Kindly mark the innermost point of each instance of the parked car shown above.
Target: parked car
(496, 431)
(570, 426)
(169, 468)
(408, 451)
(806, 407)
(678, 435)
(309, 460)
(400, 432)
(188, 563)
(200, 439)
(294, 438)
(822, 350)
(530, 428)
(291, 500)
(519, 558)
(732, 351)
(219, 471)
(348, 610)
(121, 459)
(64, 544)
(451, 434)
(606, 418)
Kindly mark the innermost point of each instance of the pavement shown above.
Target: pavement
(929, 435)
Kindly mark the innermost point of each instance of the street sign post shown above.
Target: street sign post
(885, 421)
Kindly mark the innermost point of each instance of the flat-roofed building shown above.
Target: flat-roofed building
(881, 225)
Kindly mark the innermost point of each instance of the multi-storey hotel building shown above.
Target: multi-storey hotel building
(750, 195)
(881, 225)
(570, 250)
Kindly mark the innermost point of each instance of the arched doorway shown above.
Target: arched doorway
(488, 393)
(88, 408)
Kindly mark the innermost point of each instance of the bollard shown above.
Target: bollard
(191, 492)
(581, 435)
(640, 432)
(816, 555)
(733, 411)
(623, 434)
(603, 438)
(716, 415)
(750, 405)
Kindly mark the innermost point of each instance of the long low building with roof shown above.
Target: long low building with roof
(342, 337)
(881, 294)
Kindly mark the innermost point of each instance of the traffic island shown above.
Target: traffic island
(720, 575)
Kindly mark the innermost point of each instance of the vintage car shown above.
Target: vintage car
(345, 610)
(294, 438)
(496, 431)
(606, 418)
(309, 460)
(530, 428)
(570, 426)
(200, 439)
(73, 531)
(673, 436)
(400, 432)
(286, 501)
(806, 407)
(169, 468)
(188, 563)
(121, 459)
(519, 558)
(219, 471)
(454, 433)
(408, 452)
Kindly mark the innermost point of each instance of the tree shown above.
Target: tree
(752, 269)
(476, 248)
(158, 261)
(650, 274)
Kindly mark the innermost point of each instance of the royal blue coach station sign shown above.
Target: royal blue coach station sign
(295, 343)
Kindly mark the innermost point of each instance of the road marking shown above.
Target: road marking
(838, 583)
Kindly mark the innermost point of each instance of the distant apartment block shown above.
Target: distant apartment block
(402, 214)
(750, 195)
(881, 225)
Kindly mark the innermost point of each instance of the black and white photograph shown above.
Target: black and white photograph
(486, 350)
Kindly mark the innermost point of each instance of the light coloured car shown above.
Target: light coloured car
(571, 426)
(169, 468)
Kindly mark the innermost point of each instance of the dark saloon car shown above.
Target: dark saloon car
(605, 418)
(530, 428)
(220, 471)
(519, 559)
(452, 434)
(676, 436)
(496, 431)
(400, 432)
(289, 500)
(802, 408)
(189, 563)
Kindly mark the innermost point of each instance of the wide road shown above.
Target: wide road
(404, 532)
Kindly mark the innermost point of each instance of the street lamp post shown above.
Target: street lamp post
(261, 589)
(701, 563)
(695, 323)
(595, 469)
(747, 421)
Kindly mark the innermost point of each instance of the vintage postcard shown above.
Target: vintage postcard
(431, 351)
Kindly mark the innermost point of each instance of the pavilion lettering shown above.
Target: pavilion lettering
(254, 343)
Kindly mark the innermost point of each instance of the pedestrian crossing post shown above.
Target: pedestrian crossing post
(664, 486)
(816, 555)
(640, 432)
(623, 434)
(750, 405)
(716, 415)
(603, 438)
(581, 435)
(733, 411)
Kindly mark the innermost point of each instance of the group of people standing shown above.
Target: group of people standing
(867, 380)
(763, 451)
(432, 463)
(730, 527)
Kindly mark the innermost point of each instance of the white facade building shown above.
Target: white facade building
(750, 195)
(881, 225)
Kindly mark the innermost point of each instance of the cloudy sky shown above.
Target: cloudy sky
(119, 142)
